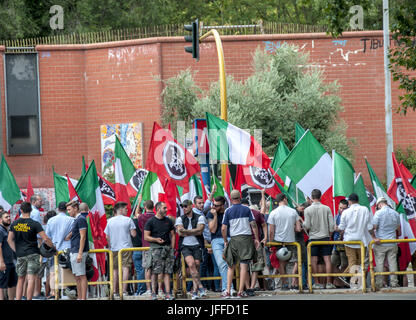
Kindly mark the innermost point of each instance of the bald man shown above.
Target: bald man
(83, 208)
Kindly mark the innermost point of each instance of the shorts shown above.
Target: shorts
(29, 264)
(259, 264)
(161, 260)
(240, 248)
(147, 259)
(78, 269)
(126, 259)
(194, 251)
(46, 266)
(8, 277)
(321, 249)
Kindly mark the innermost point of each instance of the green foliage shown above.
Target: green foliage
(178, 97)
(283, 89)
(408, 156)
(24, 18)
(403, 56)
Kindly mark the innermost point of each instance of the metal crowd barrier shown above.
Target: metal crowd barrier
(310, 274)
(295, 275)
(62, 284)
(373, 273)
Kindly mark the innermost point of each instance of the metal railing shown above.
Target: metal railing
(63, 284)
(295, 275)
(373, 273)
(310, 274)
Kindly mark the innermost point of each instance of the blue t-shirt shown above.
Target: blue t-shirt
(217, 233)
(79, 223)
(237, 218)
(8, 253)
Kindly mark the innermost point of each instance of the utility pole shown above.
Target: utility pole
(387, 93)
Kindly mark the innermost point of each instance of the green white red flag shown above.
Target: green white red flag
(9, 191)
(123, 171)
(89, 191)
(230, 143)
(309, 166)
(378, 188)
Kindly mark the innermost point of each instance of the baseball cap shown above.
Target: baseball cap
(235, 194)
(381, 199)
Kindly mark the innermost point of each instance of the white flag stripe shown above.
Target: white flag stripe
(241, 140)
(6, 206)
(118, 172)
(318, 177)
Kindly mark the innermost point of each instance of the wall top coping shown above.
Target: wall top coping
(134, 42)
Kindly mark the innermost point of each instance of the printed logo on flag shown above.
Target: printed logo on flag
(262, 177)
(106, 189)
(409, 202)
(138, 178)
(174, 160)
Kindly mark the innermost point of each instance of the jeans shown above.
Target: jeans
(217, 249)
(204, 268)
(137, 261)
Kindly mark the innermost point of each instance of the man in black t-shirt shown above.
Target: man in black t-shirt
(79, 248)
(8, 275)
(23, 240)
(159, 232)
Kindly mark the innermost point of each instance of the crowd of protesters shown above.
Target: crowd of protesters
(212, 236)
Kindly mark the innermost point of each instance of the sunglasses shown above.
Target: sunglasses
(217, 205)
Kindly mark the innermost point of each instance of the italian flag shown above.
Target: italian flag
(151, 188)
(230, 143)
(123, 171)
(89, 191)
(61, 187)
(9, 191)
(359, 189)
(196, 188)
(309, 166)
(299, 132)
(221, 191)
(280, 155)
(343, 174)
(378, 188)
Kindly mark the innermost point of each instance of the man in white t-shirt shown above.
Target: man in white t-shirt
(356, 224)
(190, 227)
(283, 222)
(119, 231)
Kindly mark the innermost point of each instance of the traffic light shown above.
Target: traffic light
(194, 38)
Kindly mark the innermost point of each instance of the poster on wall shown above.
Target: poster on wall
(131, 138)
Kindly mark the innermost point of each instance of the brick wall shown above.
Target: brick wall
(85, 86)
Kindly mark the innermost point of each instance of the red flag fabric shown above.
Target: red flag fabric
(169, 159)
(406, 173)
(400, 178)
(73, 195)
(29, 192)
(258, 178)
(228, 185)
(171, 197)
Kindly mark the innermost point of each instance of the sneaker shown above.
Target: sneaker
(148, 293)
(38, 297)
(225, 295)
(250, 292)
(195, 295)
(154, 296)
(169, 297)
(125, 294)
(161, 294)
(241, 294)
(116, 296)
(317, 286)
(202, 292)
(330, 286)
(70, 293)
(233, 292)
